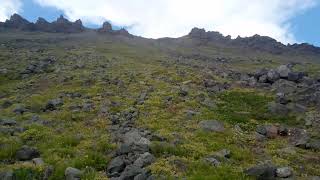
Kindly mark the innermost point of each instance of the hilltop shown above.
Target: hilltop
(81, 103)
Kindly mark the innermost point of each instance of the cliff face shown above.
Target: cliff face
(61, 25)
(256, 42)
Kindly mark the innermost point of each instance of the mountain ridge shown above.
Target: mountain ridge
(256, 42)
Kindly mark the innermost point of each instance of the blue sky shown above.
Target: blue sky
(288, 21)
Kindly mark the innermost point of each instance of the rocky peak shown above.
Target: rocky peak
(62, 20)
(41, 21)
(203, 35)
(17, 22)
(63, 25)
(106, 27)
(256, 42)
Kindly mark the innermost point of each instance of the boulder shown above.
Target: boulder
(144, 160)
(106, 28)
(222, 154)
(295, 76)
(130, 172)
(281, 98)
(299, 137)
(8, 122)
(264, 171)
(27, 153)
(260, 73)
(269, 131)
(135, 137)
(38, 161)
(273, 76)
(278, 109)
(212, 126)
(54, 104)
(212, 161)
(283, 71)
(19, 109)
(284, 172)
(7, 175)
(116, 166)
(263, 79)
(284, 86)
(183, 91)
(72, 173)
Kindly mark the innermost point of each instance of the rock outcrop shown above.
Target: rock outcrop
(61, 25)
(256, 42)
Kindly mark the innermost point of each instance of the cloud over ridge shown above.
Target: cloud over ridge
(174, 18)
(9, 7)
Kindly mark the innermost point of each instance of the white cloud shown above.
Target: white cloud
(173, 18)
(9, 7)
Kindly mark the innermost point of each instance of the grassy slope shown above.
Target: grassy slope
(80, 139)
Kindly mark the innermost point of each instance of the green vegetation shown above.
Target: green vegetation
(111, 73)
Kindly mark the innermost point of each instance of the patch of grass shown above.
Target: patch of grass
(241, 106)
(9, 147)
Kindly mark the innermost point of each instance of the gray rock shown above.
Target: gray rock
(47, 172)
(314, 145)
(264, 171)
(144, 160)
(19, 109)
(283, 71)
(299, 137)
(7, 175)
(284, 172)
(72, 173)
(295, 76)
(212, 126)
(8, 122)
(38, 161)
(130, 172)
(263, 79)
(142, 176)
(260, 73)
(282, 99)
(296, 108)
(212, 161)
(27, 153)
(134, 137)
(54, 104)
(222, 154)
(278, 109)
(269, 131)
(116, 165)
(273, 76)
(284, 86)
(183, 91)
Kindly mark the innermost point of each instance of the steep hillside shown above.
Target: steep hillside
(104, 104)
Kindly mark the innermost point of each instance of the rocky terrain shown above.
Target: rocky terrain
(81, 103)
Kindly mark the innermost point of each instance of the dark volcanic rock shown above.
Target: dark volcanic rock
(62, 25)
(261, 172)
(54, 104)
(72, 173)
(116, 166)
(18, 22)
(106, 28)
(27, 153)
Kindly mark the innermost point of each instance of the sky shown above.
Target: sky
(288, 21)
